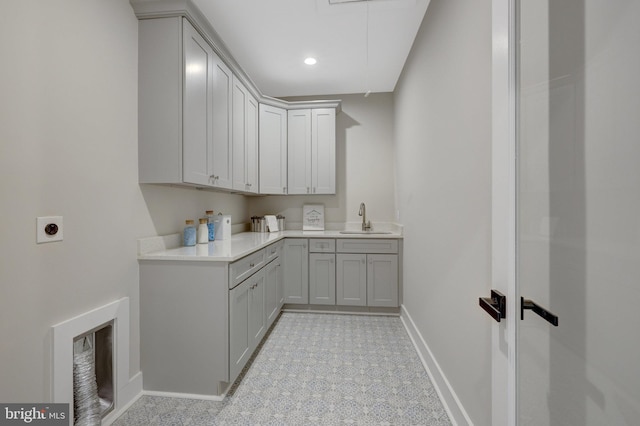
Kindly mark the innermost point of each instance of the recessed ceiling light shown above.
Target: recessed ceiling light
(310, 61)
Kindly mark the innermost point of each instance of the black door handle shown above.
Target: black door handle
(530, 304)
(496, 305)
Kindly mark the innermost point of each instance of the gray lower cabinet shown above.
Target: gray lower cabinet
(239, 336)
(247, 320)
(367, 272)
(296, 271)
(322, 279)
(200, 322)
(184, 326)
(273, 291)
(382, 280)
(351, 279)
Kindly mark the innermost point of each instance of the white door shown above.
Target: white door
(573, 245)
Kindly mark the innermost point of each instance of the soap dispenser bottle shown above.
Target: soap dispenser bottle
(203, 231)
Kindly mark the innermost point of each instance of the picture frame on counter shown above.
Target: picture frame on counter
(313, 217)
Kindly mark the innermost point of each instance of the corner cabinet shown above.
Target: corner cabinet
(184, 107)
(296, 271)
(312, 151)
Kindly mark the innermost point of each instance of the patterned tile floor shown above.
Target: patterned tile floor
(323, 369)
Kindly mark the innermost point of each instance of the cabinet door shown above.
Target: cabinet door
(273, 150)
(382, 280)
(239, 134)
(252, 145)
(245, 138)
(351, 279)
(257, 317)
(323, 151)
(299, 151)
(220, 155)
(272, 290)
(197, 145)
(296, 271)
(239, 337)
(322, 279)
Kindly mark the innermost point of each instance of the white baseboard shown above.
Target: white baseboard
(452, 404)
(185, 395)
(127, 396)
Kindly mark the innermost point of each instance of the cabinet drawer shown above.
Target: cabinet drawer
(321, 245)
(273, 251)
(245, 267)
(363, 245)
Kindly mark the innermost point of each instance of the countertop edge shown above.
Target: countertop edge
(246, 243)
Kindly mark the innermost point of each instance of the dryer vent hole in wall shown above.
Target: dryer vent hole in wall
(93, 390)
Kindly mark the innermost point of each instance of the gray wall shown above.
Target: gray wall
(68, 146)
(443, 141)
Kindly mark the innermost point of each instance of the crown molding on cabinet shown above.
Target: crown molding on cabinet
(149, 9)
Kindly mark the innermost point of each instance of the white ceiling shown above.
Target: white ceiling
(359, 45)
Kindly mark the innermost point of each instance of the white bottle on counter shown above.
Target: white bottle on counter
(203, 231)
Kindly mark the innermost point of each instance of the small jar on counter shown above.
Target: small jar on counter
(189, 234)
(210, 225)
(203, 231)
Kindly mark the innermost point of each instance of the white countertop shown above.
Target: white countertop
(239, 246)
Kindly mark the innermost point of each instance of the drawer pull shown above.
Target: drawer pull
(251, 265)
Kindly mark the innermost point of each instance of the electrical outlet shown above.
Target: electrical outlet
(48, 229)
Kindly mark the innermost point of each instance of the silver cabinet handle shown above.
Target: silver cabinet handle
(284, 189)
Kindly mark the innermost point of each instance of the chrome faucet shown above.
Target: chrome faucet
(366, 226)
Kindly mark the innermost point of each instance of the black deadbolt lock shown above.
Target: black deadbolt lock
(51, 229)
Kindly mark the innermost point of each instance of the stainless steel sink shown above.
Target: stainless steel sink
(364, 232)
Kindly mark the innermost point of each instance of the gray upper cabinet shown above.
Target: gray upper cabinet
(203, 123)
(312, 151)
(299, 152)
(184, 107)
(323, 151)
(245, 139)
(273, 150)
